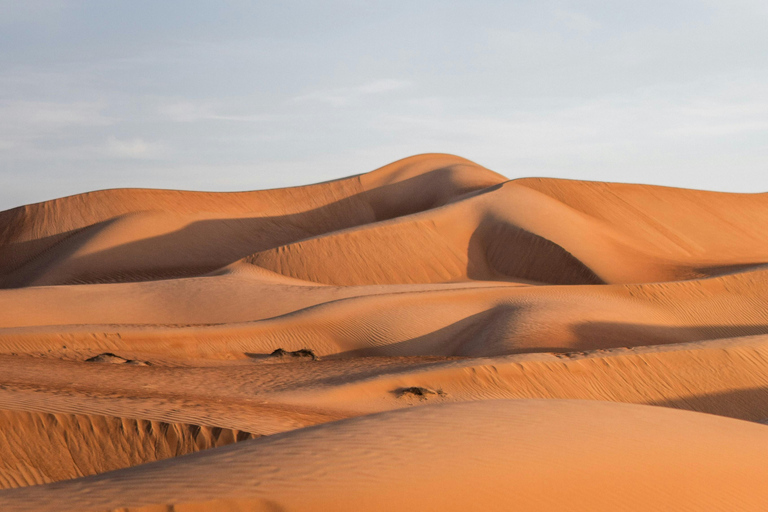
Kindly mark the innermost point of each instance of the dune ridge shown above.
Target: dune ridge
(460, 341)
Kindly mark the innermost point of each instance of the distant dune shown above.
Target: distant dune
(138, 326)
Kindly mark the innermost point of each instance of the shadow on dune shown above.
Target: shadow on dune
(747, 404)
(198, 248)
(470, 336)
(204, 246)
(722, 270)
(494, 333)
(496, 250)
(513, 252)
(597, 335)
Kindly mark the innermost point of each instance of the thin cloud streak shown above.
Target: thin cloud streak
(346, 95)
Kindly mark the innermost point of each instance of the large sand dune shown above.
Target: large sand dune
(492, 455)
(137, 326)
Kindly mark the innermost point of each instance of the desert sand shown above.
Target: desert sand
(426, 336)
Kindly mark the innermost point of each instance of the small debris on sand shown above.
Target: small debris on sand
(109, 357)
(303, 353)
(419, 391)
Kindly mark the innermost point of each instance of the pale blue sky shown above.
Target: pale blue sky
(236, 95)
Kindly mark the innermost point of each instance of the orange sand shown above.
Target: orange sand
(429, 282)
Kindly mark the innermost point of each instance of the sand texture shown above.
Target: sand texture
(426, 336)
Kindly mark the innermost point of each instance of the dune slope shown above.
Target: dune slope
(39, 448)
(493, 453)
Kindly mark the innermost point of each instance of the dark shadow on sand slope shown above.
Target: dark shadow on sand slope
(497, 249)
(459, 339)
(746, 404)
(491, 333)
(724, 270)
(513, 252)
(595, 335)
(198, 248)
(211, 244)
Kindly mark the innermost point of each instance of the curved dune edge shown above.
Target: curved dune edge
(455, 457)
(39, 448)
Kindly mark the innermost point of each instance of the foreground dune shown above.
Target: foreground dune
(531, 454)
(138, 326)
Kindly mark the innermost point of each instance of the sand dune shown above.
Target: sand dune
(133, 235)
(513, 231)
(494, 454)
(138, 326)
(458, 320)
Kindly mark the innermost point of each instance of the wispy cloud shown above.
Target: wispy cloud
(347, 95)
(37, 127)
(188, 112)
(576, 20)
(184, 111)
(134, 148)
(40, 115)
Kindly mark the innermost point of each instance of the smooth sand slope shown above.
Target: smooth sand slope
(546, 455)
(138, 326)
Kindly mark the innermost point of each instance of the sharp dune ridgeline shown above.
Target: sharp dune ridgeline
(426, 336)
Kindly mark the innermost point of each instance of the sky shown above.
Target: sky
(238, 95)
